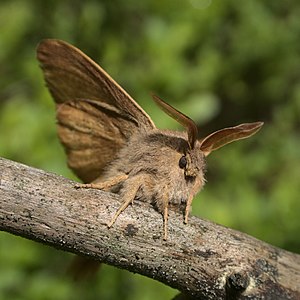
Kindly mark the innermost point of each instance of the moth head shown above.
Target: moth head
(199, 148)
(192, 163)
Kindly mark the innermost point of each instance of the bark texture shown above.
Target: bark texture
(202, 259)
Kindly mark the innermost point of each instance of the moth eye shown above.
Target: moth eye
(182, 162)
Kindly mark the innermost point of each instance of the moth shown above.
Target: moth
(112, 144)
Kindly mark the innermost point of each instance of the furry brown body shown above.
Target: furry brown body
(150, 156)
(112, 144)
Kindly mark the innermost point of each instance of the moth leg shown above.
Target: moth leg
(166, 215)
(163, 206)
(188, 207)
(196, 187)
(130, 190)
(104, 185)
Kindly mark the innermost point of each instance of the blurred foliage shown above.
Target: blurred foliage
(220, 62)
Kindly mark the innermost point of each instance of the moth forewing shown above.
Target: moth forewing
(72, 76)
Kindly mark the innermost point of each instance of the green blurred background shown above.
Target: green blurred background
(221, 62)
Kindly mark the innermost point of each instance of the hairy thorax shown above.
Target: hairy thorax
(158, 156)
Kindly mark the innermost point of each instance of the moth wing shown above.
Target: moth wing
(95, 115)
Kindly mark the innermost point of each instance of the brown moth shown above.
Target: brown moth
(112, 144)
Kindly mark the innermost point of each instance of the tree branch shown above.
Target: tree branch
(203, 260)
